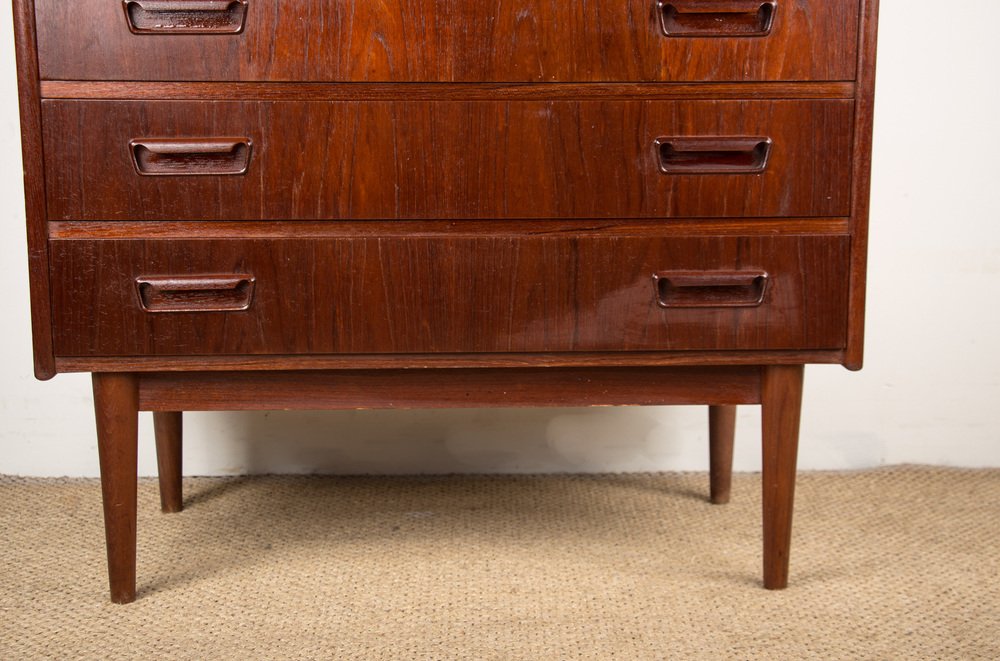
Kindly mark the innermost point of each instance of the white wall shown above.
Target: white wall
(927, 393)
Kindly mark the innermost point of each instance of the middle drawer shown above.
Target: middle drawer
(313, 160)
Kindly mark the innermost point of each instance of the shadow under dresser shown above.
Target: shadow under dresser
(277, 204)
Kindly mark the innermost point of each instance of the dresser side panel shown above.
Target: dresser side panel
(861, 184)
(34, 186)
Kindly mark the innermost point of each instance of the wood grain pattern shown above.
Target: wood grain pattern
(34, 187)
(781, 405)
(311, 390)
(123, 229)
(414, 295)
(116, 407)
(448, 41)
(445, 203)
(861, 182)
(445, 160)
(443, 360)
(215, 91)
(168, 427)
(721, 437)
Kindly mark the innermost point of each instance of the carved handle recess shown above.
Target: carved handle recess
(195, 293)
(185, 16)
(710, 289)
(716, 18)
(191, 156)
(739, 155)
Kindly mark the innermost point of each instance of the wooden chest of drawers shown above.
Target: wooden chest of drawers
(252, 204)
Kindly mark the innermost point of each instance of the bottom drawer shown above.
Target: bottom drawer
(428, 294)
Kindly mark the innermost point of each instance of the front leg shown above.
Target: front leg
(116, 407)
(781, 404)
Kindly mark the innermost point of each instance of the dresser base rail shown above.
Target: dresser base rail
(452, 388)
(119, 396)
(573, 359)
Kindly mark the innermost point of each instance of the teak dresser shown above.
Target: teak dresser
(291, 204)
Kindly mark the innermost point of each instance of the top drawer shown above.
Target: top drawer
(447, 40)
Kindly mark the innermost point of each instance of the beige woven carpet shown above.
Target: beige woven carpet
(899, 563)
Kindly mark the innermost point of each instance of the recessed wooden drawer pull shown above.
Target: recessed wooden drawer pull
(198, 156)
(185, 16)
(196, 293)
(713, 155)
(717, 18)
(710, 289)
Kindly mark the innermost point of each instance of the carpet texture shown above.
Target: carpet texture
(900, 563)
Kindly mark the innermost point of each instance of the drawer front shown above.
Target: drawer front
(448, 40)
(456, 294)
(446, 159)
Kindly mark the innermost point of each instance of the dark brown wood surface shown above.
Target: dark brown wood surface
(721, 438)
(861, 181)
(472, 294)
(216, 91)
(388, 389)
(781, 406)
(34, 187)
(116, 408)
(448, 40)
(273, 362)
(319, 229)
(446, 160)
(506, 180)
(168, 427)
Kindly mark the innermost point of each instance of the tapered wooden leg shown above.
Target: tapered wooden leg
(781, 403)
(721, 432)
(168, 428)
(116, 405)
